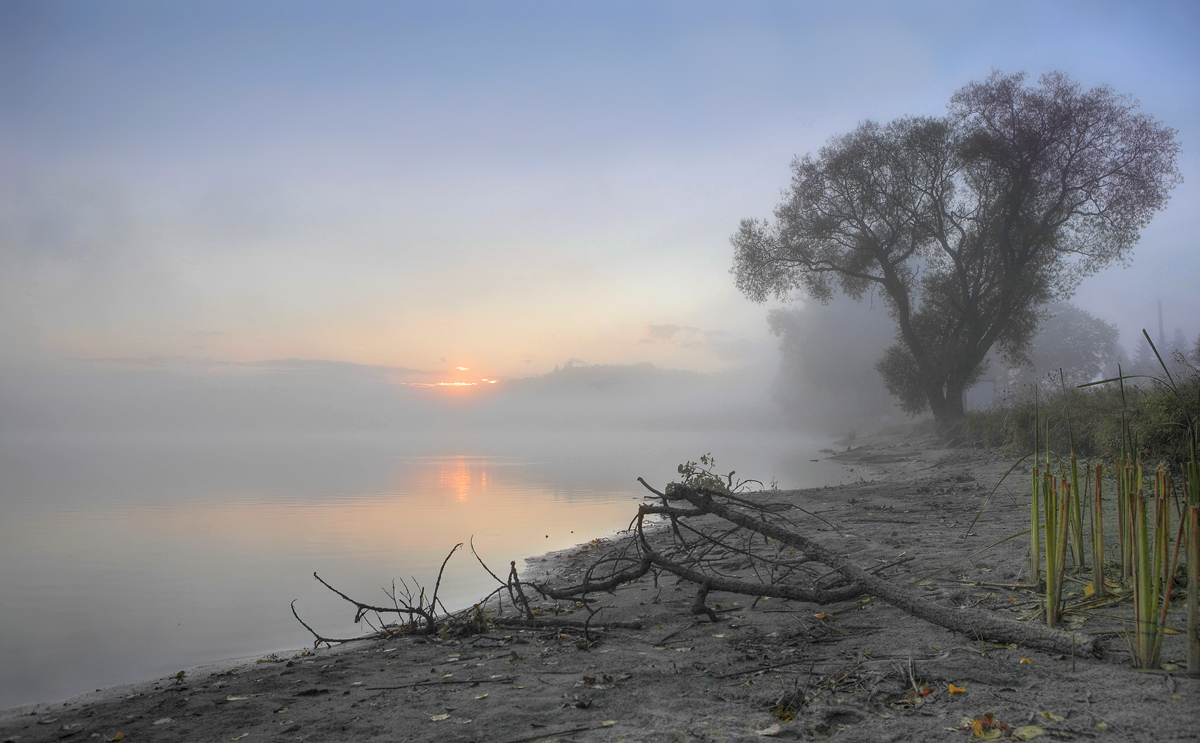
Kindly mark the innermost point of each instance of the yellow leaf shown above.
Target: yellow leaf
(607, 723)
(439, 718)
(819, 615)
(482, 696)
(118, 736)
(1025, 661)
(1089, 589)
(1027, 732)
(239, 737)
(957, 689)
(232, 698)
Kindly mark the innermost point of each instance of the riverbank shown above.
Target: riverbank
(859, 670)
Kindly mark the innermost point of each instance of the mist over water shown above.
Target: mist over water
(129, 559)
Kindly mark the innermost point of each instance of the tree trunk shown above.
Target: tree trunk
(954, 400)
(937, 403)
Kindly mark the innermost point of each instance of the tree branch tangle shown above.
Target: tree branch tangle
(968, 224)
(720, 541)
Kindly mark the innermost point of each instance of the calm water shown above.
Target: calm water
(128, 560)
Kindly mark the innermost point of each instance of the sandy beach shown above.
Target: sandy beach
(858, 670)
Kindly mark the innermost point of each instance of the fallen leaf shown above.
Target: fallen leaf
(232, 698)
(482, 696)
(985, 727)
(607, 723)
(439, 718)
(1025, 661)
(721, 635)
(118, 736)
(1051, 716)
(957, 689)
(448, 675)
(239, 737)
(161, 721)
(770, 732)
(819, 615)
(1027, 732)
(1089, 589)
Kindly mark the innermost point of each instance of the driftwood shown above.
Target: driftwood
(719, 540)
(972, 623)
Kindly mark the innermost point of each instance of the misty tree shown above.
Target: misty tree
(1071, 340)
(838, 387)
(966, 224)
(1144, 359)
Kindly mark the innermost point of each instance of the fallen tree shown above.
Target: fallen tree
(718, 540)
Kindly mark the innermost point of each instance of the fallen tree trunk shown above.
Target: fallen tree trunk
(973, 623)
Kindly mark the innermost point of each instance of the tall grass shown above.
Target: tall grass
(1136, 418)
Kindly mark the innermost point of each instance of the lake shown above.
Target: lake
(129, 559)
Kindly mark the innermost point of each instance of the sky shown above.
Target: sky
(496, 186)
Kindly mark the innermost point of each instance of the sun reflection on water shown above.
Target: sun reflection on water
(459, 476)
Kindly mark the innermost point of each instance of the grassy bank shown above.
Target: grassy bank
(1145, 417)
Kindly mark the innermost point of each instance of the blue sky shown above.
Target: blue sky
(501, 186)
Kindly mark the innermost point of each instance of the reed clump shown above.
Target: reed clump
(1155, 509)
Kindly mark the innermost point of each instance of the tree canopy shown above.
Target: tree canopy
(966, 224)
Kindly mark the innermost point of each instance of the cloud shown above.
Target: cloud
(663, 332)
(314, 367)
(720, 343)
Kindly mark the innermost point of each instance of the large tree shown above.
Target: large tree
(967, 224)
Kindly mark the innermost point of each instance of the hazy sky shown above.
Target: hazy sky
(500, 185)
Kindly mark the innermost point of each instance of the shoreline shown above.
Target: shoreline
(680, 677)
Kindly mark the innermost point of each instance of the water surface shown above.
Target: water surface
(129, 559)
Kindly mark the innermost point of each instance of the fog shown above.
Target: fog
(222, 218)
(289, 398)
